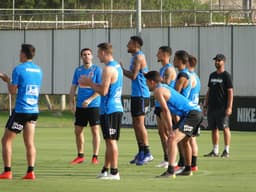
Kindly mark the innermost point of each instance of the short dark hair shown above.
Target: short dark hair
(107, 47)
(137, 39)
(29, 50)
(166, 49)
(153, 75)
(182, 55)
(192, 61)
(85, 49)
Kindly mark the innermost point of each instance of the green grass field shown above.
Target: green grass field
(56, 148)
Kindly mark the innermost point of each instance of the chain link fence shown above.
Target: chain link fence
(89, 18)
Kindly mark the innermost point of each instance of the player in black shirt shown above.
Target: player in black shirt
(218, 103)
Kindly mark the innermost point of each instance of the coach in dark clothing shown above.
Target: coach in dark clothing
(218, 103)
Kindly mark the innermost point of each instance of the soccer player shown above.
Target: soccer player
(87, 106)
(183, 86)
(183, 81)
(139, 98)
(190, 118)
(111, 108)
(26, 79)
(168, 76)
(219, 101)
(194, 97)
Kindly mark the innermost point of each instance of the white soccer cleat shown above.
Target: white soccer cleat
(102, 175)
(106, 176)
(113, 177)
(163, 164)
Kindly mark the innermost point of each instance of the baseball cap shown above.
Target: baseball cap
(220, 57)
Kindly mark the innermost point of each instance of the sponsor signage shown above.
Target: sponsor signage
(150, 119)
(244, 114)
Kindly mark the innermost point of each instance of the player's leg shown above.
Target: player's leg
(104, 121)
(7, 140)
(194, 147)
(189, 126)
(28, 137)
(80, 122)
(138, 110)
(95, 129)
(174, 138)
(136, 132)
(227, 136)
(187, 152)
(212, 125)
(134, 114)
(141, 130)
(162, 131)
(114, 133)
(215, 140)
(13, 126)
(94, 121)
(110, 125)
(112, 151)
(79, 135)
(108, 155)
(145, 155)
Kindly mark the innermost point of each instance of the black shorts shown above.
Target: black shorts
(85, 115)
(110, 125)
(17, 121)
(190, 124)
(139, 106)
(158, 111)
(217, 119)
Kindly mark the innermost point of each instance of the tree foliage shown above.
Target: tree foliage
(94, 4)
(180, 9)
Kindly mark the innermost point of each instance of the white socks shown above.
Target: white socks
(216, 149)
(227, 148)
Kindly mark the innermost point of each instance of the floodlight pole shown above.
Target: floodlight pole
(111, 15)
(138, 13)
(62, 7)
(13, 13)
(211, 12)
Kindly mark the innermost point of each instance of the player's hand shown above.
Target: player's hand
(4, 77)
(228, 111)
(121, 64)
(86, 103)
(84, 80)
(72, 107)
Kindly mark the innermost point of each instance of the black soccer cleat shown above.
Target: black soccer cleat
(211, 154)
(225, 154)
(166, 174)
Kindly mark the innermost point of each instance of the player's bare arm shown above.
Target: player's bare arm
(162, 96)
(181, 83)
(90, 99)
(230, 102)
(1, 75)
(169, 75)
(72, 99)
(205, 105)
(193, 81)
(12, 88)
(102, 89)
(138, 64)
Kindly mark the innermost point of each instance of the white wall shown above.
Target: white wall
(57, 52)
